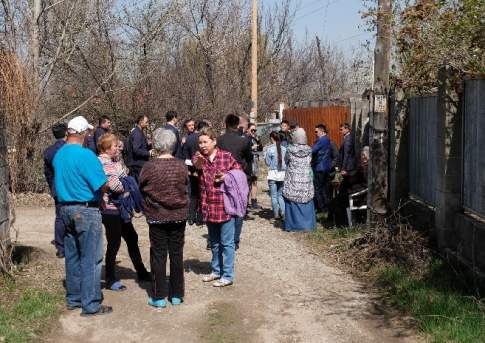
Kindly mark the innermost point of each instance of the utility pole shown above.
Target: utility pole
(379, 121)
(254, 62)
(37, 7)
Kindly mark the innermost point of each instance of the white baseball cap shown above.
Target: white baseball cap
(79, 125)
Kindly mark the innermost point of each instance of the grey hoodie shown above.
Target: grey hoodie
(298, 185)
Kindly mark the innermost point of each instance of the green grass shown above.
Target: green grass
(25, 314)
(439, 301)
(333, 235)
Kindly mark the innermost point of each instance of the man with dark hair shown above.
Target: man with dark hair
(137, 148)
(240, 148)
(80, 181)
(59, 131)
(346, 159)
(285, 132)
(103, 127)
(322, 164)
(171, 117)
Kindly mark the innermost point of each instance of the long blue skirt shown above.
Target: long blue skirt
(299, 217)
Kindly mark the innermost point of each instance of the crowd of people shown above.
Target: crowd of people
(173, 177)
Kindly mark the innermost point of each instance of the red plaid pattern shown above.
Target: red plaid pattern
(211, 196)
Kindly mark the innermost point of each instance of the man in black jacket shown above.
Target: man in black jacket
(240, 148)
(236, 143)
(346, 156)
(138, 149)
(59, 131)
(172, 120)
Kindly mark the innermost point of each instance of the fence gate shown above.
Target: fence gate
(423, 116)
(474, 147)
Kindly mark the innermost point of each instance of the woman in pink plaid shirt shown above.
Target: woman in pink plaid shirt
(212, 164)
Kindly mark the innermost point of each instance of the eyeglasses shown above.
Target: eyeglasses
(253, 130)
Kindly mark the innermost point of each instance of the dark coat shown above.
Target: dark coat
(49, 154)
(90, 143)
(177, 152)
(240, 148)
(98, 133)
(137, 149)
(130, 200)
(191, 146)
(346, 158)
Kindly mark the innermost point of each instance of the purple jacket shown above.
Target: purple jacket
(236, 190)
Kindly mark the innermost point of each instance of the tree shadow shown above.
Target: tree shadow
(197, 266)
(264, 213)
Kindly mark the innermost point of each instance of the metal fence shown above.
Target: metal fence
(474, 147)
(422, 148)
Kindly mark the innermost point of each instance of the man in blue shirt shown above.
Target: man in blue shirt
(322, 163)
(59, 132)
(79, 180)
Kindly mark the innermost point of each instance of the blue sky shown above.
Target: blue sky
(335, 21)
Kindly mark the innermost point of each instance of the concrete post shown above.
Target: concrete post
(449, 159)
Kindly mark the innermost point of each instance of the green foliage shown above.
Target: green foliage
(438, 300)
(433, 33)
(23, 319)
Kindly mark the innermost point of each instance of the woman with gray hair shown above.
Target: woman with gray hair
(163, 184)
(298, 185)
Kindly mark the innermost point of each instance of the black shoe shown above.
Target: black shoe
(102, 310)
(59, 254)
(237, 246)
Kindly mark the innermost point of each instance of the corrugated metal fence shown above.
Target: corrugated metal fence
(422, 148)
(474, 147)
(330, 116)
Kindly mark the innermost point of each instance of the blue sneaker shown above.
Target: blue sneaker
(160, 303)
(176, 301)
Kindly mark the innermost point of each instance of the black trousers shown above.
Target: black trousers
(320, 182)
(167, 238)
(115, 230)
(193, 190)
(135, 172)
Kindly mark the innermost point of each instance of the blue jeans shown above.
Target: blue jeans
(83, 249)
(59, 229)
(277, 201)
(221, 236)
(238, 224)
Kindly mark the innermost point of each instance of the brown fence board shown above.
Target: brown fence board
(331, 116)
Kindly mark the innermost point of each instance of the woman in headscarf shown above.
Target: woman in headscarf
(298, 185)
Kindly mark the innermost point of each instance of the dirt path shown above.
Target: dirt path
(282, 293)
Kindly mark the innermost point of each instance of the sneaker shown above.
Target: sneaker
(159, 303)
(222, 283)
(210, 277)
(176, 301)
(60, 254)
(116, 286)
(101, 311)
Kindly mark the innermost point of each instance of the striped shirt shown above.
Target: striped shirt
(114, 171)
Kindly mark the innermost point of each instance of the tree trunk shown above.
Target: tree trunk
(5, 246)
